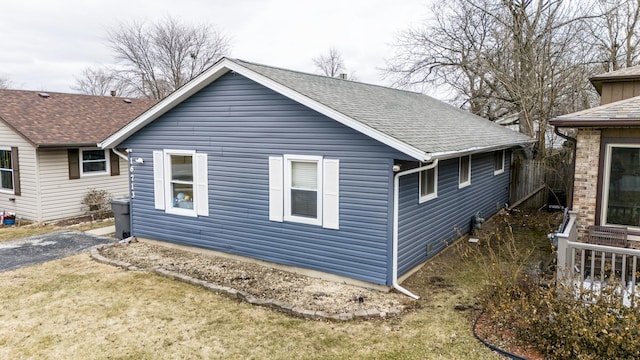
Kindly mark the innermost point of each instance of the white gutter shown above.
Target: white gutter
(445, 155)
(396, 195)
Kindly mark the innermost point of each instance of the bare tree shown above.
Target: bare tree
(156, 58)
(522, 58)
(614, 34)
(99, 81)
(332, 64)
(4, 83)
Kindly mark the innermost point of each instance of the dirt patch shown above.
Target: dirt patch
(264, 283)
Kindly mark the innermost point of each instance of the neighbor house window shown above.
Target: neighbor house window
(181, 182)
(93, 162)
(498, 162)
(429, 184)
(621, 190)
(304, 189)
(464, 174)
(6, 170)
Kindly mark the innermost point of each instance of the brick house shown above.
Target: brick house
(606, 187)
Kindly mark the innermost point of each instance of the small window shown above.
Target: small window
(303, 189)
(428, 184)
(498, 162)
(464, 178)
(180, 182)
(6, 171)
(93, 162)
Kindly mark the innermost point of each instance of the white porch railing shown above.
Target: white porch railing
(589, 265)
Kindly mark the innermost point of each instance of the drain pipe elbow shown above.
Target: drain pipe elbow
(396, 195)
(121, 155)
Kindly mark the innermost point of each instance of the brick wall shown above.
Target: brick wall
(586, 178)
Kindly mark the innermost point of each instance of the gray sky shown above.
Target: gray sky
(43, 44)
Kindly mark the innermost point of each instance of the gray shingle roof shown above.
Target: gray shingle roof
(413, 118)
(613, 114)
(631, 71)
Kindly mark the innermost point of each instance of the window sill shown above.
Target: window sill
(498, 172)
(90, 175)
(427, 198)
(302, 220)
(464, 185)
(181, 212)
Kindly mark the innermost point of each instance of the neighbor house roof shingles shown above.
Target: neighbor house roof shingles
(67, 119)
(620, 113)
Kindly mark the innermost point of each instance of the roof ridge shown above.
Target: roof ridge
(75, 94)
(327, 77)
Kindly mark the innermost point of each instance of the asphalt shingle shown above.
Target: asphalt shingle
(59, 119)
(413, 118)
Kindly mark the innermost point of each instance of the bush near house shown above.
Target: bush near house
(561, 323)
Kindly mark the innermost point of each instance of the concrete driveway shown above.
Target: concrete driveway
(40, 248)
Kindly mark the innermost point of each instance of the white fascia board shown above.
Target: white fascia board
(175, 98)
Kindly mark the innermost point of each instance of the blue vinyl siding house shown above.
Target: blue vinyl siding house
(299, 169)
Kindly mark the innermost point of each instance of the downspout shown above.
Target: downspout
(121, 155)
(396, 195)
(573, 140)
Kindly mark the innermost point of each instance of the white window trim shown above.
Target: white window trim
(287, 189)
(433, 195)
(168, 196)
(461, 183)
(501, 170)
(605, 183)
(107, 170)
(8, 191)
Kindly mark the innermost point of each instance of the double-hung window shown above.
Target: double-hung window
(621, 186)
(428, 184)
(93, 162)
(304, 189)
(6, 171)
(464, 174)
(181, 182)
(498, 162)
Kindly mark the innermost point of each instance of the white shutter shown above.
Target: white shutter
(158, 179)
(275, 189)
(201, 185)
(331, 194)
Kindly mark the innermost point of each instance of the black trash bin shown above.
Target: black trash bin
(120, 208)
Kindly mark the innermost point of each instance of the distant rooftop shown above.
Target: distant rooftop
(50, 119)
(628, 73)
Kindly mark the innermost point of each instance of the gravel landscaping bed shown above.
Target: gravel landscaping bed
(295, 294)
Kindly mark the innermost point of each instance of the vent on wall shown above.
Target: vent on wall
(429, 248)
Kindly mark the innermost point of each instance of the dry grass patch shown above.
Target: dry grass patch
(75, 308)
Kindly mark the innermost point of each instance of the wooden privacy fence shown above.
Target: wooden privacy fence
(527, 183)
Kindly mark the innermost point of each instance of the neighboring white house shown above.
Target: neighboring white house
(48, 155)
